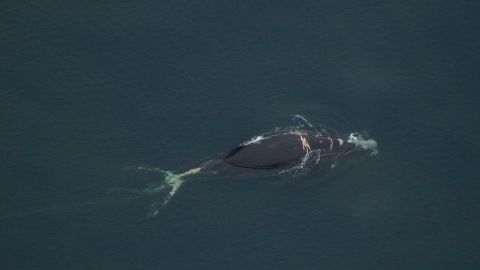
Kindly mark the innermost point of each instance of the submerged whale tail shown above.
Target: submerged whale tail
(169, 186)
(175, 181)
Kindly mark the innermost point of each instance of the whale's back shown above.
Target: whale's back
(271, 152)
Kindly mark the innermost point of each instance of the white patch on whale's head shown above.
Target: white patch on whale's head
(366, 144)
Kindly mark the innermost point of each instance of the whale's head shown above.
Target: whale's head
(358, 147)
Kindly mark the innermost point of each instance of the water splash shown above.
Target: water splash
(302, 121)
(305, 165)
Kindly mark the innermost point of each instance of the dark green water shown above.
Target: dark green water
(89, 89)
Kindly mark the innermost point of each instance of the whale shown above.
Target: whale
(293, 151)
(281, 152)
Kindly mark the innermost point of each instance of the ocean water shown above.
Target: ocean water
(90, 90)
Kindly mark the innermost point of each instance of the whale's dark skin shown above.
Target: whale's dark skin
(279, 150)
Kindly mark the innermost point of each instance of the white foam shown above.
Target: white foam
(255, 139)
(259, 138)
